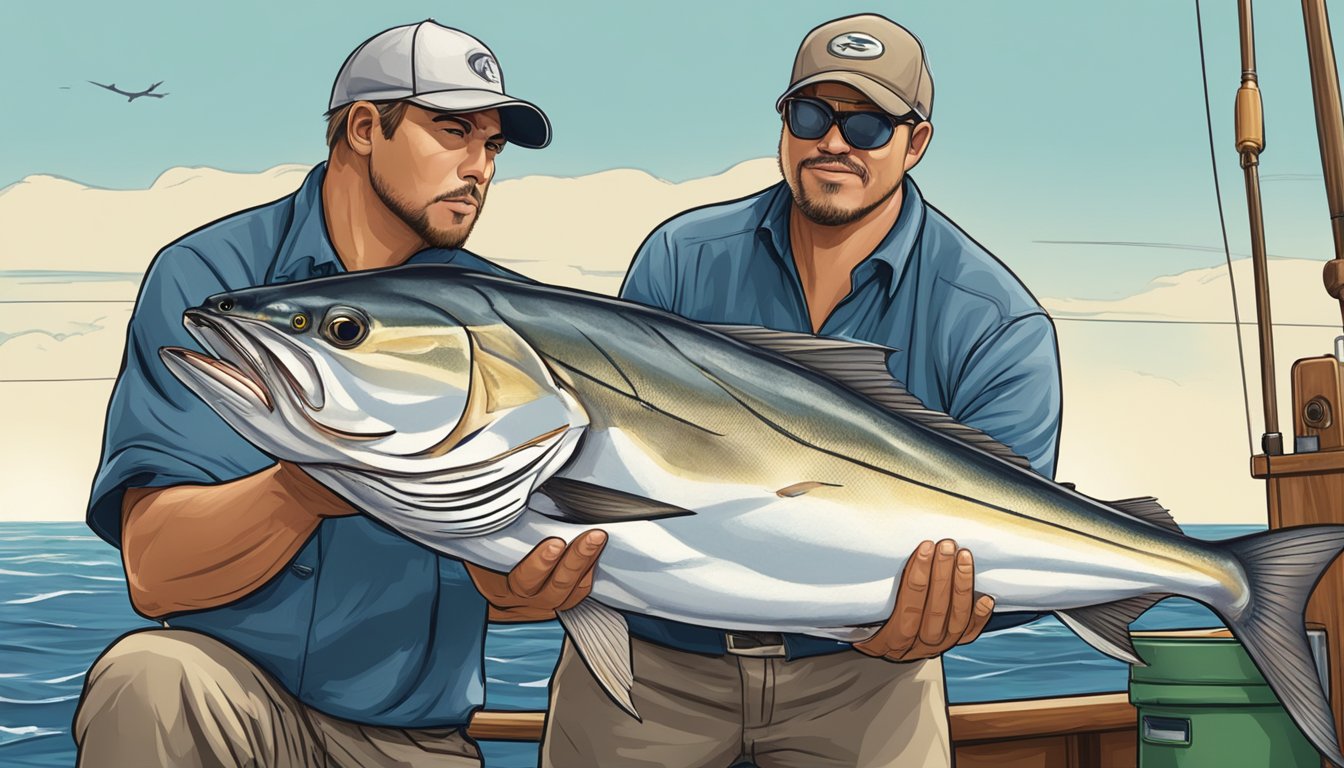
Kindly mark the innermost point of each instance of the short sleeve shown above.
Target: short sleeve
(649, 280)
(1010, 389)
(158, 433)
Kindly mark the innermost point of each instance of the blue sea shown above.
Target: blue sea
(63, 600)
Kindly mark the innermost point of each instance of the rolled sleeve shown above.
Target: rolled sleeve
(158, 433)
(1010, 389)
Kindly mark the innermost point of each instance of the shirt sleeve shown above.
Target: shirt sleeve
(1010, 389)
(158, 433)
(649, 280)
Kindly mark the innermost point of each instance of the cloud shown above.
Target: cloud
(592, 216)
(107, 230)
(1153, 393)
(1297, 297)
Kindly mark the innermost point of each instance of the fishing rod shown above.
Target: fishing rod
(1250, 132)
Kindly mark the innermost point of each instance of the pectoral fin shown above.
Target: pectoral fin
(602, 639)
(588, 503)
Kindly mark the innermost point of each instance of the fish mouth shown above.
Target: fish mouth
(232, 368)
(242, 366)
(228, 376)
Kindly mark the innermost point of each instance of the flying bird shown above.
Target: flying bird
(132, 96)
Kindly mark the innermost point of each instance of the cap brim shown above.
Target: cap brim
(875, 91)
(521, 122)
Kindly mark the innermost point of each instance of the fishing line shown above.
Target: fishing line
(1222, 223)
(1183, 322)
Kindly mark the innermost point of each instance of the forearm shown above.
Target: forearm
(190, 547)
(507, 616)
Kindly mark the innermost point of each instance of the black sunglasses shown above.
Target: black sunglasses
(812, 118)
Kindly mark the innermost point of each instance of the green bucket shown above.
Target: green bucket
(1202, 703)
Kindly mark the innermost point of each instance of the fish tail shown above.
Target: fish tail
(1282, 567)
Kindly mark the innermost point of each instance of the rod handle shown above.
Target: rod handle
(1250, 119)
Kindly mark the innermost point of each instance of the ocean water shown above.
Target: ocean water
(63, 600)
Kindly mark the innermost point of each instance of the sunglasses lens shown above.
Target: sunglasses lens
(808, 120)
(867, 130)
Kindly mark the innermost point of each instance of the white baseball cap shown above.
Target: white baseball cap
(438, 68)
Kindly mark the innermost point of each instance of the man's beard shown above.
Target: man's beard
(820, 210)
(418, 218)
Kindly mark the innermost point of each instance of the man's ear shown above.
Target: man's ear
(360, 124)
(920, 136)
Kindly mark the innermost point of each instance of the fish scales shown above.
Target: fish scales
(745, 479)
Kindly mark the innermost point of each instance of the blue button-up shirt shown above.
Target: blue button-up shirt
(970, 340)
(363, 624)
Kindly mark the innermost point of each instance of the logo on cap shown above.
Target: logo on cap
(485, 66)
(855, 45)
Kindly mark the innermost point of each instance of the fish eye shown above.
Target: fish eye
(299, 322)
(345, 328)
(225, 305)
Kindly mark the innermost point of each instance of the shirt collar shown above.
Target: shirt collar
(306, 250)
(893, 252)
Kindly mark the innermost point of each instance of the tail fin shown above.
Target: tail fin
(1282, 567)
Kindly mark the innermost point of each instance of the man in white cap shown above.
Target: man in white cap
(296, 632)
(843, 246)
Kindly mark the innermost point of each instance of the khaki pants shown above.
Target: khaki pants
(170, 697)
(842, 709)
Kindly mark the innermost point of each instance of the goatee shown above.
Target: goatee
(819, 209)
(418, 218)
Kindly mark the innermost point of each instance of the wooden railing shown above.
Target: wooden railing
(1073, 731)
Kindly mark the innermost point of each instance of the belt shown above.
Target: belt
(714, 642)
(755, 644)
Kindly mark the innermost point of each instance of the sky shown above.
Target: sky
(1081, 121)
(1059, 124)
(1070, 140)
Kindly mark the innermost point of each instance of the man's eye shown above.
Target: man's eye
(455, 131)
(495, 146)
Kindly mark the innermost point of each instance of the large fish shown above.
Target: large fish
(746, 478)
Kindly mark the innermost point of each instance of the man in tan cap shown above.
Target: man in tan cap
(843, 246)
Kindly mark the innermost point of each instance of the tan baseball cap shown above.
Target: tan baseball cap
(871, 54)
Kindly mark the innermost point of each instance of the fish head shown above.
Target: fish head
(349, 372)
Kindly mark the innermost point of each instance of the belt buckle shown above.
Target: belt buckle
(731, 640)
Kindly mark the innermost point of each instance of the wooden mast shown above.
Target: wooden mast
(1330, 130)
(1307, 486)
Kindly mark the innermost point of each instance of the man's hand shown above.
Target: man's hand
(936, 606)
(553, 577)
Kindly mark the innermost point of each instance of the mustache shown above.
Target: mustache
(836, 160)
(471, 189)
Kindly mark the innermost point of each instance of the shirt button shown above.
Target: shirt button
(301, 570)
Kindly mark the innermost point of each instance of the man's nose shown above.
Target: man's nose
(476, 165)
(833, 143)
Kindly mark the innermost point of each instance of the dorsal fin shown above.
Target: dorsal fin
(862, 367)
(1148, 510)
